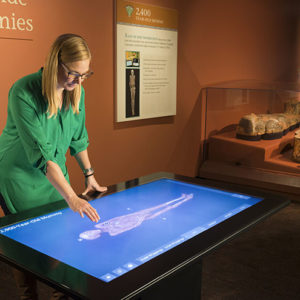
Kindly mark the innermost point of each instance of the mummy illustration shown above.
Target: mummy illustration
(132, 91)
(124, 223)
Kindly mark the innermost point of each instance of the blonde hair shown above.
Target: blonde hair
(67, 48)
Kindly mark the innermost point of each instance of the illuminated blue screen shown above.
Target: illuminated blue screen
(136, 225)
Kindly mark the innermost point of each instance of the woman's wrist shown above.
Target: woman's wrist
(89, 175)
(88, 172)
(70, 198)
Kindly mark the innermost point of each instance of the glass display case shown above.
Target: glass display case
(264, 155)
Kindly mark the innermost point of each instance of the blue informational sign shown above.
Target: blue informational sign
(136, 225)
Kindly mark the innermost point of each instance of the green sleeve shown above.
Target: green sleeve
(80, 140)
(25, 113)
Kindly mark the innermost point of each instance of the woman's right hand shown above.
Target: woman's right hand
(83, 208)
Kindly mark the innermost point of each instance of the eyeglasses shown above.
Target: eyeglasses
(74, 75)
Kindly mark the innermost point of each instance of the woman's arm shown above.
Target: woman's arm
(57, 179)
(90, 181)
(83, 160)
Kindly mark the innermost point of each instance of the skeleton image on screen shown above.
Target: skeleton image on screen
(127, 222)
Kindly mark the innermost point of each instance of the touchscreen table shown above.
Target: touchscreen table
(138, 226)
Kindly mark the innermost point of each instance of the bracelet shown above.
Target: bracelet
(85, 171)
(89, 175)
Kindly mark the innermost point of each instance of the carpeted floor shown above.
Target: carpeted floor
(261, 264)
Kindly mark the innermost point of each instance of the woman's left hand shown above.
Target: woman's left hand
(92, 188)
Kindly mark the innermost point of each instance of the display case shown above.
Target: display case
(265, 160)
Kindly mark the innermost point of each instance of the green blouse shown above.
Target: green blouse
(30, 139)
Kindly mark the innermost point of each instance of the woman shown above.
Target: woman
(46, 117)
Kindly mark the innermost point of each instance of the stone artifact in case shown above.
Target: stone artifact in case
(248, 137)
(296, 150)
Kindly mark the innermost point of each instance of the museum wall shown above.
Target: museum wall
(226, 43)
(219, 41)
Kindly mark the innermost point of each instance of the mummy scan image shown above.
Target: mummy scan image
(120, 224)
(132, 91)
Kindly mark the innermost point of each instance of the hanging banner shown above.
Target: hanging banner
(146, 61)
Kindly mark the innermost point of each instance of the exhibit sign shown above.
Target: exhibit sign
(16, 20)
(146, 61)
